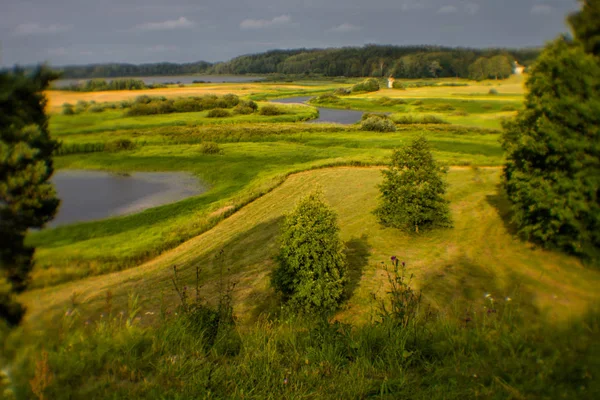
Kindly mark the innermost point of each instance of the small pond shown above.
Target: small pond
(327, 114)
(91, 195)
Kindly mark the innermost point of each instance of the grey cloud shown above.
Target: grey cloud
(140, 31)
(345, 28)
(541, 9)
(265, 23)
(40, 29)
(180, 23)
(447, 10)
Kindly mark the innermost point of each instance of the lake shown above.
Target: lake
(327, 114)
(186, 79)
(92, 195)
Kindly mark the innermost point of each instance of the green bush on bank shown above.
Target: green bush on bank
(368, 85)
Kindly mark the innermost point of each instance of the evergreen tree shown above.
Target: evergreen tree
(552, 174)
(413, 189)
(27, 198)
(586, 26)
(312, 265)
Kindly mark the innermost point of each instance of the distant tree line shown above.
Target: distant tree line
(366, 61)
(381, 61)
(97, 85)
(122, 70)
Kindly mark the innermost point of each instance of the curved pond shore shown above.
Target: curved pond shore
(326, 114)
(91, 195)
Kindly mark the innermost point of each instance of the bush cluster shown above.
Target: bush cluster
(378, 124)
(368, 85)
(146, 105)
(326, 98)
(271, 109)
(218, 113)
(245, 107)
(418, 119)
(389, 102)
(210, 148)
(342, 92)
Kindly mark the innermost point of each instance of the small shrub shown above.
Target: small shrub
(493, 91)
(342, 92)
(210, 148)
(218, 113)
(508, 108)
(399, 85)
(487, 106)
(326, 98)
(388, 102)
(119, 145)
(374, 115)
(245, 107)
(417, 103)
(230, 100)
(376, 124)
(68, 109)
(97, 108)
(460, 113)
(143, 99)
(242, 110)
(368, 85)
(270, 109)
(421, 119)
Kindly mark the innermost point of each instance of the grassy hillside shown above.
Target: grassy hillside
(479, 255)
(497, 317)
(255, 159)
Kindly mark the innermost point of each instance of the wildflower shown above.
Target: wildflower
(285, 381)
(149, 313)
(487, 295)
(508, 299)
(403, 264)
(394, 258)
(475, 376)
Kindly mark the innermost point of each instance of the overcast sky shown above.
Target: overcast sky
(138, 31)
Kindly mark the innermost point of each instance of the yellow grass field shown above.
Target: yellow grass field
(56, 98)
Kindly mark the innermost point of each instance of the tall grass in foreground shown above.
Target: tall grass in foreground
(404, 351)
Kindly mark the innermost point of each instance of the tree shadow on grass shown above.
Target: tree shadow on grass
(357, 257)
(463, 285)
(502, 205)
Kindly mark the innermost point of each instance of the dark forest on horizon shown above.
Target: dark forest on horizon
(368, 60)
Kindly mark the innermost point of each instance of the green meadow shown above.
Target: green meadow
(103, 291)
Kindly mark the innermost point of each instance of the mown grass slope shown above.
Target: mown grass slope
(454, 266)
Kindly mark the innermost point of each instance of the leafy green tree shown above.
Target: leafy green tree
(312, 264)
(480, 69)
(413, 190)
(552, 173)
(586, 26)
(27, 198)
(500, 67)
